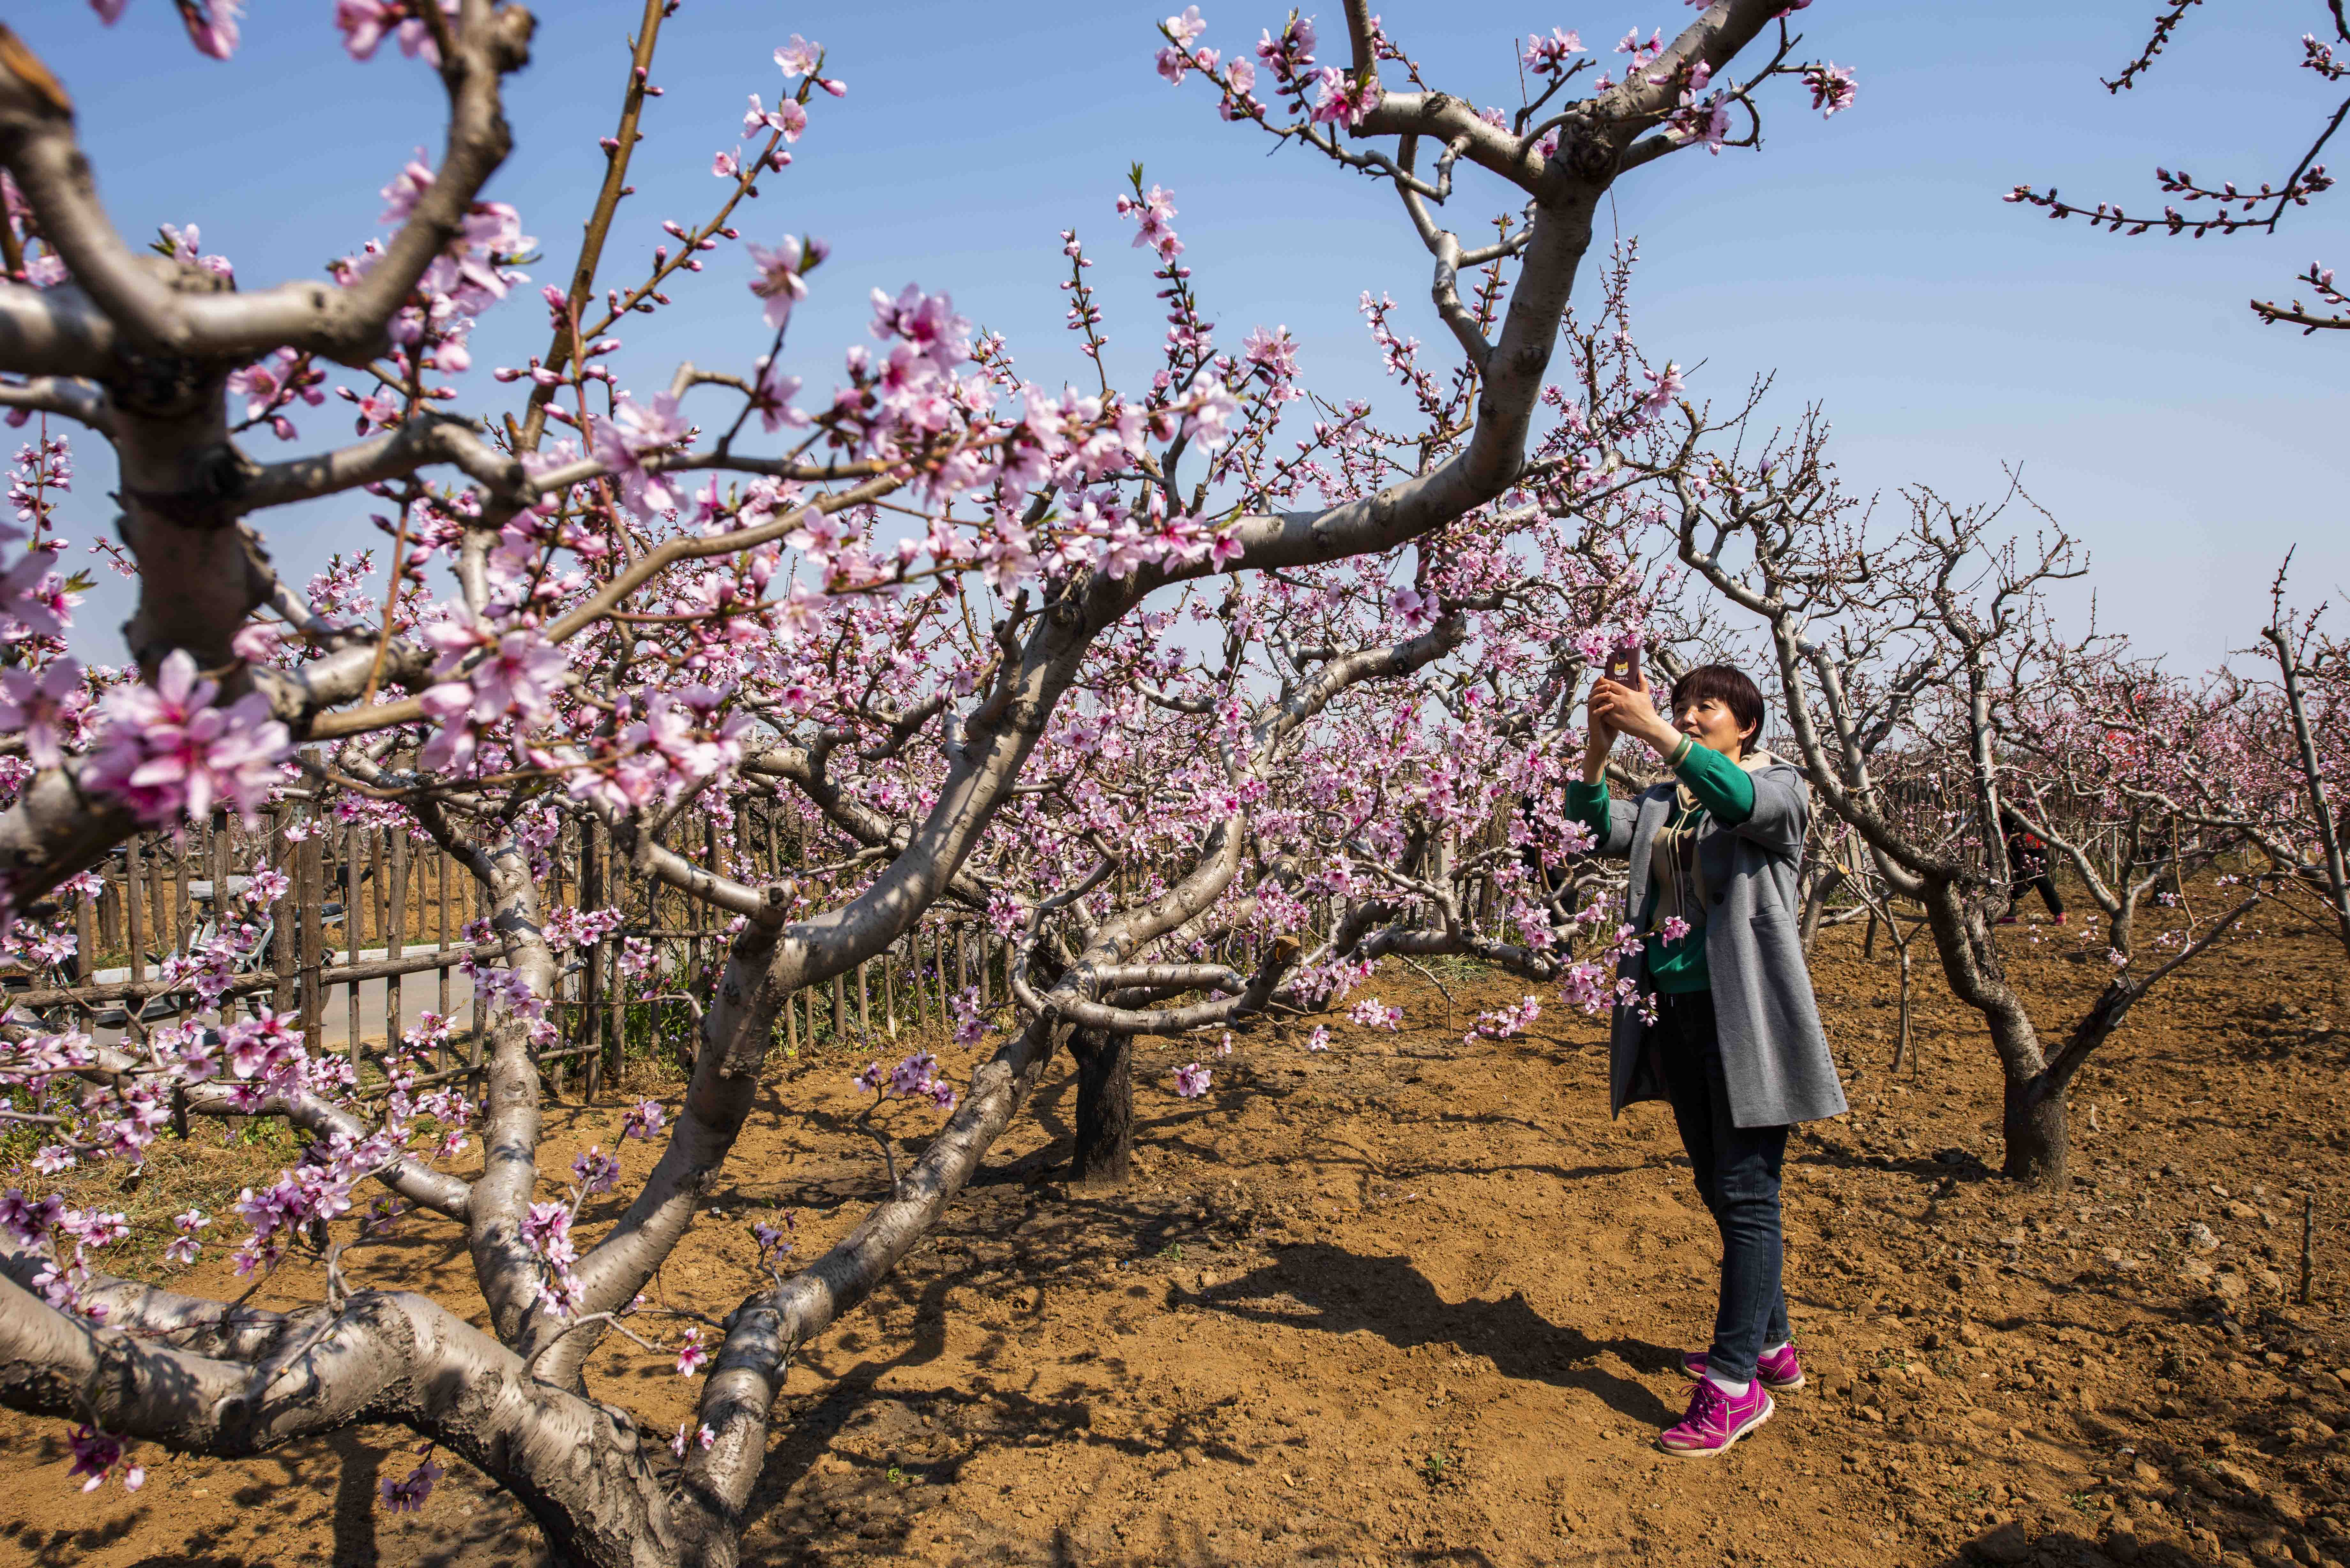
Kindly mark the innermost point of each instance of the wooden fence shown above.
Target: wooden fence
(370, 933)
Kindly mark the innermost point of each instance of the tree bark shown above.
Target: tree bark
(1105, 1122)
(2035, 1130)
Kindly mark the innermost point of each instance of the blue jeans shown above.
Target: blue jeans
(1737, 1173)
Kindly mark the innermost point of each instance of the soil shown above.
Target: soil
(1410, 1301)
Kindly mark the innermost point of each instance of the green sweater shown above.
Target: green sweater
(1722, 787)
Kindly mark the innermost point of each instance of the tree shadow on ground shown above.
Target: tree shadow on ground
(2013, 1542)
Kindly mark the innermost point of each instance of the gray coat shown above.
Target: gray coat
(1773, 1053)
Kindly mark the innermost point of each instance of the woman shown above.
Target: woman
(1735, 1045)
(2027, 857)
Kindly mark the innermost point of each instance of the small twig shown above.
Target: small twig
(2308, 1226)
(1440, 986)
(889, 1155)
(530, 1367)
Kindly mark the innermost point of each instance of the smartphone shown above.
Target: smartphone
(1623, 666)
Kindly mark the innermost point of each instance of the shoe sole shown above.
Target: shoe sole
(1792, 1383)
(1769, 1409)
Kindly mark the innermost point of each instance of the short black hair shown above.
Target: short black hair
(1729, 686)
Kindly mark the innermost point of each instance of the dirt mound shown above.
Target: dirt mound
(1408, 1301)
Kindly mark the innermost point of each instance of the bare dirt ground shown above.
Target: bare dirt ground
(1413, 1302)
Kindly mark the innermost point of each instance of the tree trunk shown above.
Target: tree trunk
(1815, 903)
(2034, 1128)
(1105, 1125)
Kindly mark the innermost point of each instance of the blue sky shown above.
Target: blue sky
(1868, 261)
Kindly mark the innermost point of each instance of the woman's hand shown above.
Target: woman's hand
(1630, 711)
(1598, 737)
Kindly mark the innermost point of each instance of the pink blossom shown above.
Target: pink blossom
(1153, 211)
(1213, 412)
(1344, 100)
(184, 1246)
(1663, 388)
(1706, 123)
(1191, 1081)
(1832, 87)
(407, 187)
(34, 597)
(1548, 56)
(212, 24)
(1413, 607)
(169, 753)
(690, 1354)
(635, 429)
(781, 280)
(596, 1171)
(44, 708)
(799, 57)
(789, 117)
(774, 395)
(29, 1219)
(1274, 350)
(407, 1495)
(95, 1455)
(365, 23)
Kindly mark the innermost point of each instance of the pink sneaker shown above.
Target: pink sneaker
(1715, 1420)
(1779, 1369)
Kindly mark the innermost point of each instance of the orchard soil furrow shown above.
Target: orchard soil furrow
(1412, 1301)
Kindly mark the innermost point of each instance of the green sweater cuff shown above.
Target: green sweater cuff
(1587, 804)
(1720, 785)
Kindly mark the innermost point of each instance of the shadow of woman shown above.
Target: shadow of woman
(1342, 1292)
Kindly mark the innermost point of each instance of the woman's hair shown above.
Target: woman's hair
(1729, 686)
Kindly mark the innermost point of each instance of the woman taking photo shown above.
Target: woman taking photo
(1735, 1045)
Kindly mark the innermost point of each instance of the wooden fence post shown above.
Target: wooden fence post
(159, 921)
(591, 1017)
(134, 900)
(442, 928)
(309, 898)
(180, 901)
(395, 929)
(86, 935)
(110, 911)
(914, 976)
(282, 960)
(481, 1008)
(354, 932)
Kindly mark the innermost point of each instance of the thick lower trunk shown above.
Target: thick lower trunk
(2034, 1126)
(1105, 1124)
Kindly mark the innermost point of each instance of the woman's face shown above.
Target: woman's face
(1710, 722)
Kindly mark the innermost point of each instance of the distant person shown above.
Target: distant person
(2027, 862)
(1735, 1045)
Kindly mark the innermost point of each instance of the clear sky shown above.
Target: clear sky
(1866, 261)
